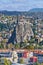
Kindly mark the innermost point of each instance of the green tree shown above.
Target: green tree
(30, 47)
(22, 61)
(7, 62)
(37, 63)
(1, 46)
(17, 46)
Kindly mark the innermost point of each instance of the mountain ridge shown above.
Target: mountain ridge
(6, 12)
(36, 10)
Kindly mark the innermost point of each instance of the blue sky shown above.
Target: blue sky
(20, 5)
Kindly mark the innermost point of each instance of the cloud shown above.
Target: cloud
(20, 4)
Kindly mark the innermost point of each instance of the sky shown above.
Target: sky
(20, 5)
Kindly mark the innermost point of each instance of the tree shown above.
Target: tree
(21, 61)
(37, 63)
(10, 46)
(17, 46)
(1, 46)
(30, 47)
(41, 43)
(7, 62)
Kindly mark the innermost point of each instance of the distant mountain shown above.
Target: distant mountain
(5, 12)
(36, 10)
(36, 13)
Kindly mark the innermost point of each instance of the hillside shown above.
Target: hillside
(35, 12)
